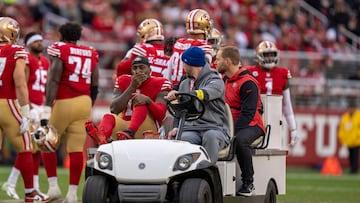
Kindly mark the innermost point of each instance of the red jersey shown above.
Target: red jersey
(78, 64)
(154, 52)
(38, 68)
(151, 88)
(271, 81)
(8, 55)
(180, 46)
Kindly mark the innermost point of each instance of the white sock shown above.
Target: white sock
(36, 182)
(72, 191)
(14, 175)
(53, 182)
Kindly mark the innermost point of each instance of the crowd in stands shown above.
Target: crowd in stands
(244, 22)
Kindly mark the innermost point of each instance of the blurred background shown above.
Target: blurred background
(319, 41)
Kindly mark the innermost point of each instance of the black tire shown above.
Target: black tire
(270, 196)
(95, 190)
(195, 190)
(88, 172)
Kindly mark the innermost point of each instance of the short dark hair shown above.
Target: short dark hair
(70, 31)
(232, 53)
(140, 60)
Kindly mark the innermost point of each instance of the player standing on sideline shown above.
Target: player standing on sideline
(274, 80)
(37, 68)
(15, 120)
(198, 27)
(138, 105)
(151, 37)
(71, 90)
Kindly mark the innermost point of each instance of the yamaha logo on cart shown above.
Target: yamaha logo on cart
(141, 166)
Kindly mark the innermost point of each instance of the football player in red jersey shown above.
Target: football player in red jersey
(151, 36)
(37, 68)
(198, 27)
(274, 80)
(15, 105)
(71, 90)
(137, 106)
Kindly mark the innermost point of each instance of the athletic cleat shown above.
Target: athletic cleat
(97, 135)
(54, 193)
(70, 199)
(36, 197)
(246, 190)
(10, 190)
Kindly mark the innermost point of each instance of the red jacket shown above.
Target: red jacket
(243, 96)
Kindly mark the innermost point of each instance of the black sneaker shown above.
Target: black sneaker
(246, 190)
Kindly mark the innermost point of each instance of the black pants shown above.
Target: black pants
(244, 138)
(354, 159)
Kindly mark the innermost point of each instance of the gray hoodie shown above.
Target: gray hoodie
(213, 86)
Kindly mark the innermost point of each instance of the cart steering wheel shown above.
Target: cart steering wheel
(187, 105)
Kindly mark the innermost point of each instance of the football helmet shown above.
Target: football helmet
(215, 40)
(46, 138)
(9, 30)
(198, 21)
(267, 54)
(150, 29)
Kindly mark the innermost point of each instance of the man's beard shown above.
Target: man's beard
(38, 51)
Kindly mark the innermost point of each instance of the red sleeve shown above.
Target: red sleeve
(124, 67)
(158, 111)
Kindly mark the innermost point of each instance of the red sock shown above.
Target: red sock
(137, 118)
(76, 166)
(25, 165)
(50, 163)
(36, 161)
(107, 124)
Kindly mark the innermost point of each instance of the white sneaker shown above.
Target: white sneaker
(70, 199)
(54, 192)
(10, 190)
(42, 194)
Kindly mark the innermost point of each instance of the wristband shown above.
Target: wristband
(25, 110)
(200, 94)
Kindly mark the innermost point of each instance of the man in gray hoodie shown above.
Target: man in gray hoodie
(211, 130)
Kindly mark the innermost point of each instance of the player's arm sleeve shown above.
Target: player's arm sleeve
(124, 66)
(288, 110)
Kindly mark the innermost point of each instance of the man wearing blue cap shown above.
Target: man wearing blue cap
(211, 130)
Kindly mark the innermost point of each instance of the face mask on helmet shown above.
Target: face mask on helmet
(215, 40)
(267, 55)
(198, 21)
(9, 30)
(150, 29)
(46, 138)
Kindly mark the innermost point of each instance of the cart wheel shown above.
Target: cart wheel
(95, 190)
(270, 196)
(195, 190)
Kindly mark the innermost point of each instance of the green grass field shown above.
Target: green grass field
(304, 185)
